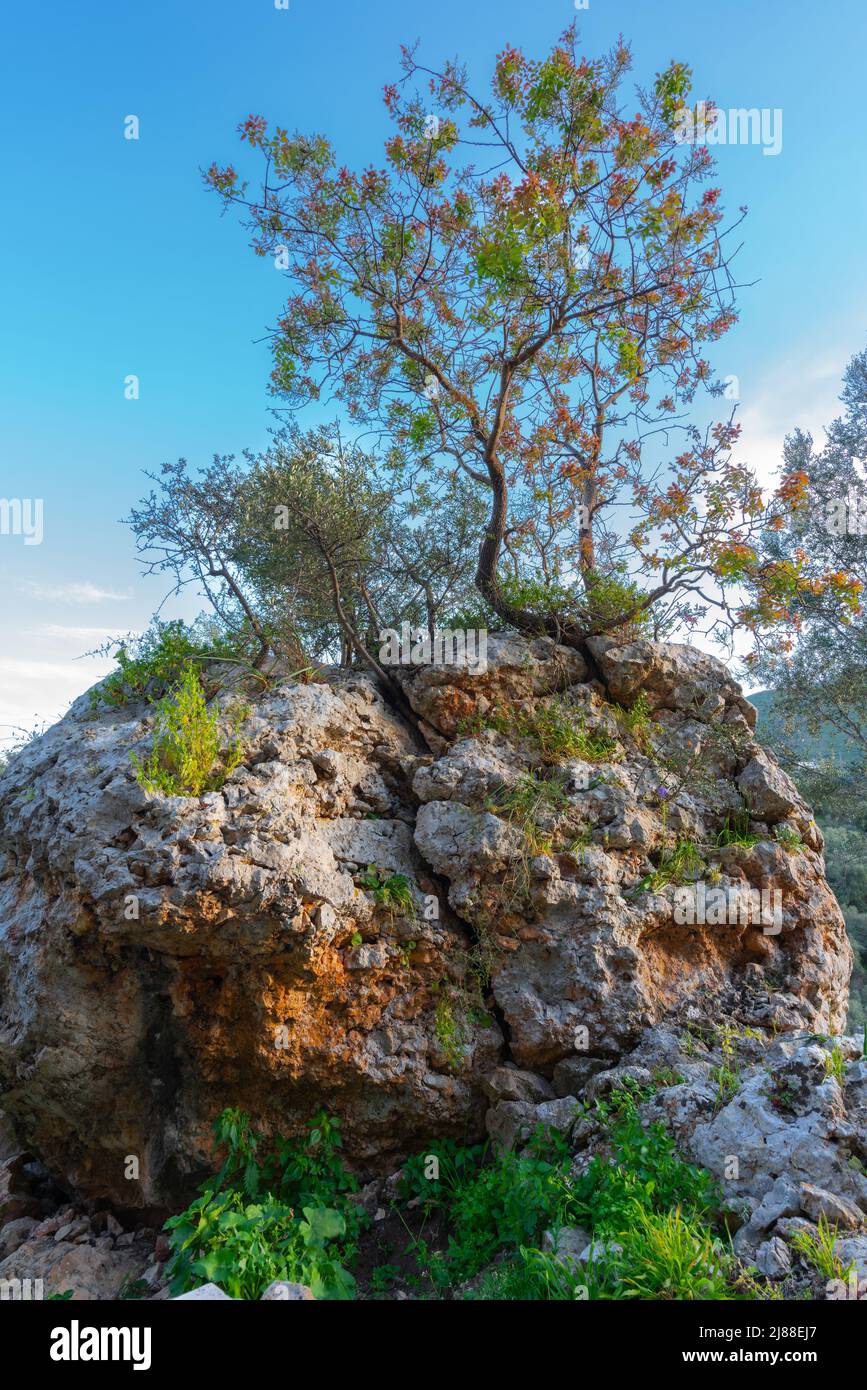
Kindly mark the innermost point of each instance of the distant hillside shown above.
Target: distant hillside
(827, 743)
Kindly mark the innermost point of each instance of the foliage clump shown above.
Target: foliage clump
(277, 1210)
(392, 891)
(156, 662)
(653, 1219)
(186, 757)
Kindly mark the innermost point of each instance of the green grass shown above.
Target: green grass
(392, 891)
(835, 1064)
(676, 866)
(636, 720)
(557, 728)
(736, 831)
(638, 1193)
(450, 1028)
(820, 1251)
(528, 801)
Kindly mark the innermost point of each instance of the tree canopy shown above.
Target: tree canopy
(522, 294)
(511, 315)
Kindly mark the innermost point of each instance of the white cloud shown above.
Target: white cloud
(73, 593)
(801, 393)
(34, 692)
(89, 637)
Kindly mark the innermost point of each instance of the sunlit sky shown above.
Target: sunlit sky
(116, 261)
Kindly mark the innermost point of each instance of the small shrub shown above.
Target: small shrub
(155, 662)
(455, 1165)
(612, 596)
(644, 1169)
(243, 1247)
(789, 837)
(507, 1204)
(781, 1094)
(185, 757)
(382, 1278)
(391, 891)
(728, 1075)
(275, 1210)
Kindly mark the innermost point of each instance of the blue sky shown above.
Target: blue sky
(116, 261)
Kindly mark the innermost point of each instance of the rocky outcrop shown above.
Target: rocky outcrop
(780, 1123)
(164, 957)
(578, 938)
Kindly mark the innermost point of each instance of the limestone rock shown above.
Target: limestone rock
(447, 696)
(15, 1233)
(567, 1244)
(671, 676)
(90, 1271)
(836, 1209)
(510, 1123)
(572, 1074)
(282, 1291)
(510, 1083)
(206, 1293)
(162, 958)
(773, 1259)
(769, 793)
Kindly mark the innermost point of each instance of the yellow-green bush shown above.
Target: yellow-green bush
(185, 757)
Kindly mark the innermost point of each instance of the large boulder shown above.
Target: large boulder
(163, 957)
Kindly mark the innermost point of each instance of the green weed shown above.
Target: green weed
(275, 1210)
(736, 831)
(789, 837)
(151, 665)
(392, 891)
(684, 862)
(185, 758)
(835, 1064)
(820, 1251)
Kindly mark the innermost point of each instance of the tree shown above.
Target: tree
(821, 679)
(523, 294)
(311, 549)
(187, 527)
